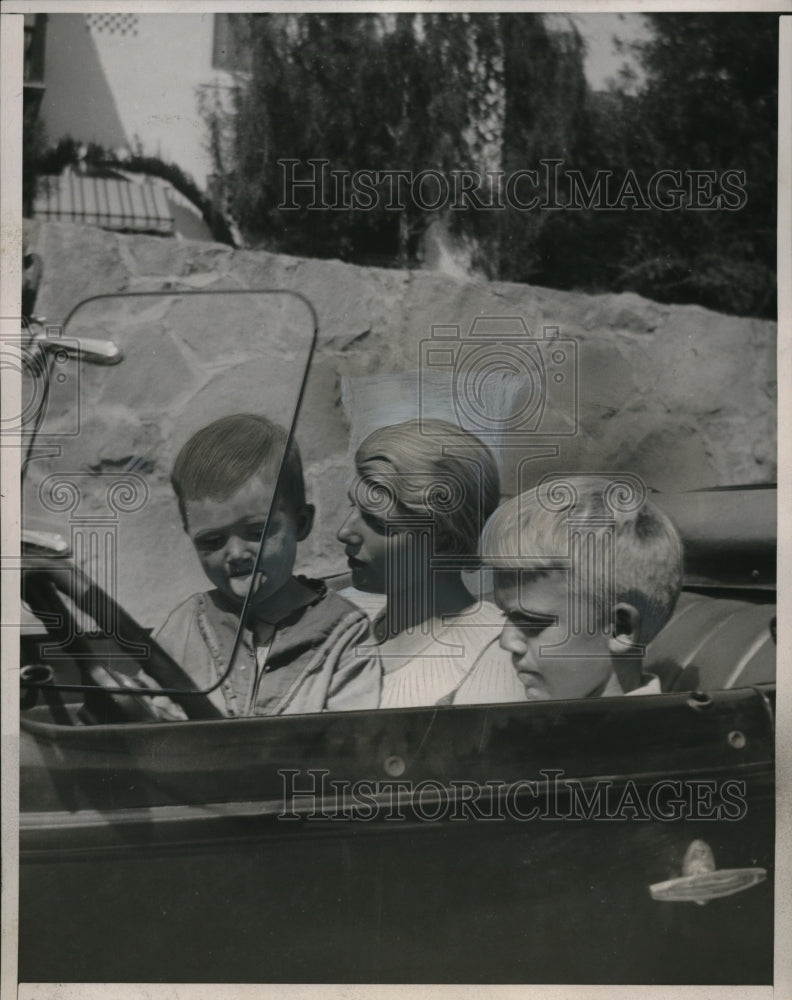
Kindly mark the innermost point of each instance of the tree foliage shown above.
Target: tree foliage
(365, 92)
(418, 92)
(708, 102)
(545, 94)
(450, 92)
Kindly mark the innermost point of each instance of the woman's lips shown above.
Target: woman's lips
(355, 563)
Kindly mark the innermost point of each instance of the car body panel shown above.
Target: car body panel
(188, 840)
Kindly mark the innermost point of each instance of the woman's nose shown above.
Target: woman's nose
(347, 533)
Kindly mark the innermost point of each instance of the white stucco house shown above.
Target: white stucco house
(133, 82)
(122, 79)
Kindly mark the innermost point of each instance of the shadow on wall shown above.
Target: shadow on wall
(78, 100)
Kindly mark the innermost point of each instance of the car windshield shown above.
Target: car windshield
(117, 392)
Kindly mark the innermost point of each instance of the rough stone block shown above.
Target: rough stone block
(680, 395)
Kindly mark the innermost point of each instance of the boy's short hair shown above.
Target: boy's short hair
(222, 457)
(534, 527)
(434, 468)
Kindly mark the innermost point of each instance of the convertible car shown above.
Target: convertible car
(609, 840)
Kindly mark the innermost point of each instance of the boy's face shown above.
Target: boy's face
(226, 535)
(539, 615)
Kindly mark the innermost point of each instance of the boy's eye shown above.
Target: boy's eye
(253, 532)
(209, 543)
(532, 623)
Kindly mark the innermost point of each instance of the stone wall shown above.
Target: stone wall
(679, 395)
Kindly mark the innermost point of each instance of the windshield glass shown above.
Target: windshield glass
(132, 379)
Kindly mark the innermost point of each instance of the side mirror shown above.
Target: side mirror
(44, 543)
(88, 349)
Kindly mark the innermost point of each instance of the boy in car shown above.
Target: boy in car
(297, 650)
(585, 580)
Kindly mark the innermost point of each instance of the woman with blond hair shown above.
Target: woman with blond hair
(422, 494)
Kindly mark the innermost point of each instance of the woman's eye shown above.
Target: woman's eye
(374, 523)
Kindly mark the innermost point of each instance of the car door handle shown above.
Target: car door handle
(702, 881)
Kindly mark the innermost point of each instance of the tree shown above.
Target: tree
(709, 102)
(363, 92)
(545, 90)
(450, 92)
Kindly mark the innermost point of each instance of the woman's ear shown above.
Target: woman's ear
(305, 519)
(626, 631)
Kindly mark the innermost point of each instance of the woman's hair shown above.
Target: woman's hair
(220, 458)
(636, 538)
(430, 468)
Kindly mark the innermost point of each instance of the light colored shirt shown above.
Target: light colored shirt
(426, 665)
(651, 685)
(316, 660)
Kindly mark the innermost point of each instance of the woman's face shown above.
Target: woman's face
(385, 546)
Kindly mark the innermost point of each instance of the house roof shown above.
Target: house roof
(140, 207)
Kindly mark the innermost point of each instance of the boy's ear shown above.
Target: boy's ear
(305, 519)
(626, 630)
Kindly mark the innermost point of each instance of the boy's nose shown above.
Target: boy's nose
(512, 641)
(236, 547)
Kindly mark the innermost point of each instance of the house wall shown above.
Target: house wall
(115, 79)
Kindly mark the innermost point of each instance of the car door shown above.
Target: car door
(506, 844)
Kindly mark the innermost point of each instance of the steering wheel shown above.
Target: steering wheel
(43, 583)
